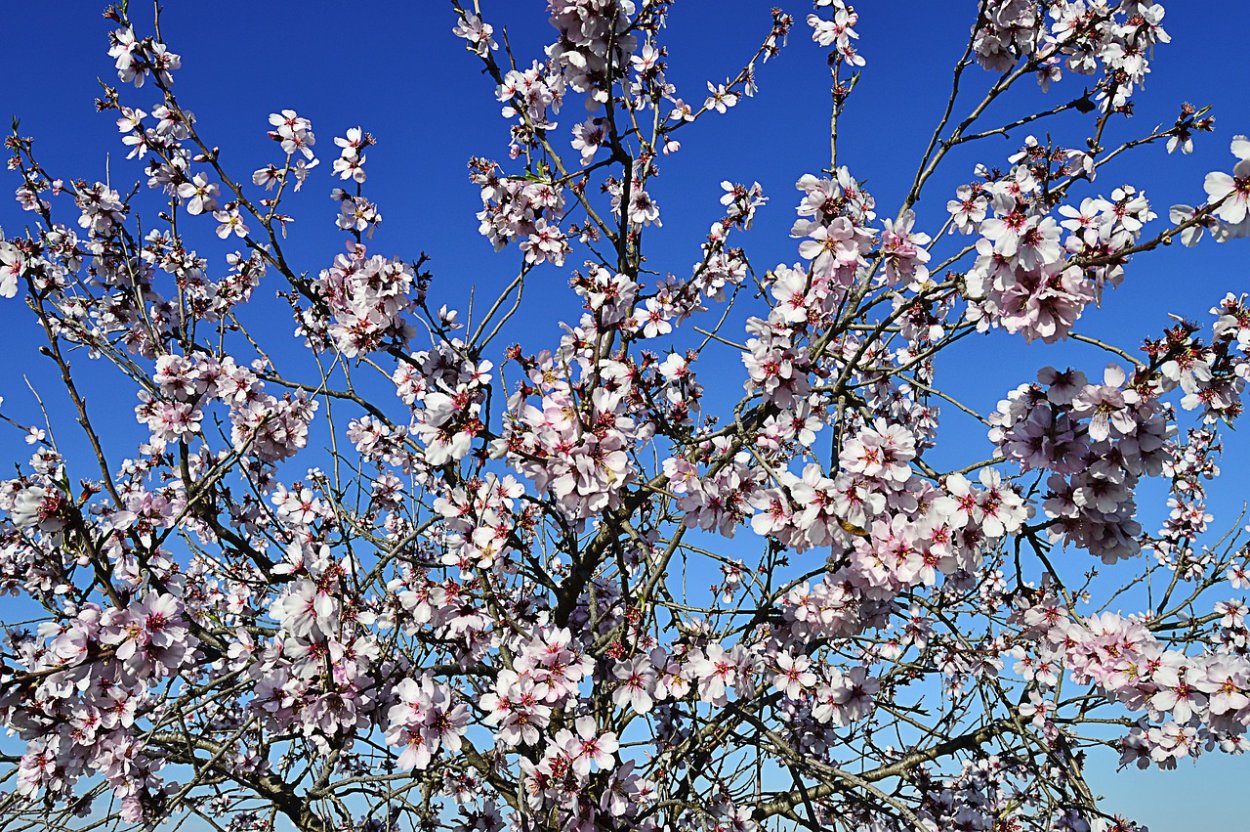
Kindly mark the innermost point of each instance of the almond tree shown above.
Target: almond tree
(418, 578)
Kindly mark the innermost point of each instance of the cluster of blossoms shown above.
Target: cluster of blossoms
(361, 303)
(973, 798)
(450, 390)
(313, 677)
(351, 161)
(95, 669)
(1188, 702)
(356, 213)
(478, 34)
(293, 134)
(138, 58)
(482, 526)
(639, 207)
(718, 272)
(594, 38)
(576, 452)
(1098, 441)
(1080, 36)
(262, 426)
(837, 32)
(521, 211)
(1034, 274)
(834, 217)
(481, 609)
(423, 720)
(1188, 465)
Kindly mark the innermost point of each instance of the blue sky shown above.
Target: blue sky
(395, 69)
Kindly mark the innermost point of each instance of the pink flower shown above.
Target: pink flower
(637, 681)
(1232, 192)
(588, 746)
(794, 675)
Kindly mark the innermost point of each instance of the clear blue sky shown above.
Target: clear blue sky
(395, 69)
